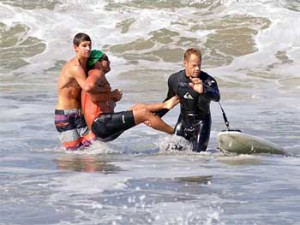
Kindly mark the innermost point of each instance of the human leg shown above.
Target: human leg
(142, 115)
(201, 135)
(109, 126)
(169, 104)
(72, 129)
(179, 128)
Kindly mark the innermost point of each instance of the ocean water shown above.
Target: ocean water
(250, 47)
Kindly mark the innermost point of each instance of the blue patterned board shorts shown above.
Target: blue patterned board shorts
(72, 129)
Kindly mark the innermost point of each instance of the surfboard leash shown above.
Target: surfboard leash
(226, 120)
(224, 117)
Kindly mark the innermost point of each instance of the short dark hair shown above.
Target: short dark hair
(80, 37)
(191, 51)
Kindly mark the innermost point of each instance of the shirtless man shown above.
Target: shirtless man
(98, 109)
(69, 120)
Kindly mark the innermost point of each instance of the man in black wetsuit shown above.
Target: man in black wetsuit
(196, 89)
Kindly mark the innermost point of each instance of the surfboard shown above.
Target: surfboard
(241, 143)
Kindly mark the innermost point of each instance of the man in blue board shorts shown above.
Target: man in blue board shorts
(69, 120)
(196, 89)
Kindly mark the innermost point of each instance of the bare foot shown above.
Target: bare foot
(171, 102)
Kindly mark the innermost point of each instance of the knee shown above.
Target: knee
(142, 114)
(139, 106)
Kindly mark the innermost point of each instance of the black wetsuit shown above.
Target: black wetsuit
(194, 121)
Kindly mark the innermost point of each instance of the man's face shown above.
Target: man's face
(84, 49)
(104, 64)
(193, 66)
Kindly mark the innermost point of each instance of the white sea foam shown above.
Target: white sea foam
(282, 35)
(57, 29)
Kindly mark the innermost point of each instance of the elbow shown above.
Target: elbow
(217, 98)
(212, 96)
(88, 88)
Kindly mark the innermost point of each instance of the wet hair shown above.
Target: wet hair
(80, 37)
(191, 51)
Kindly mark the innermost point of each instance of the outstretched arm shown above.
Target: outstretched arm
(170, 94)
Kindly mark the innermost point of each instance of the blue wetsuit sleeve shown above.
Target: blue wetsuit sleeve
(211, 90)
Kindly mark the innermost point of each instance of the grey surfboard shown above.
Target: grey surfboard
(241, 143)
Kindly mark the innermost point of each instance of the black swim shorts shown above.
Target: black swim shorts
(109, 126)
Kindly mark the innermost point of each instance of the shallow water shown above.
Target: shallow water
(250, 47)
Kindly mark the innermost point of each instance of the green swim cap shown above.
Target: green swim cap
(95, 56)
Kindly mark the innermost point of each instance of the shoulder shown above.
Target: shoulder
(205, 76)
(176, 75)
(74, 69)
(99, 74)
(96, 77)
(77, 70)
